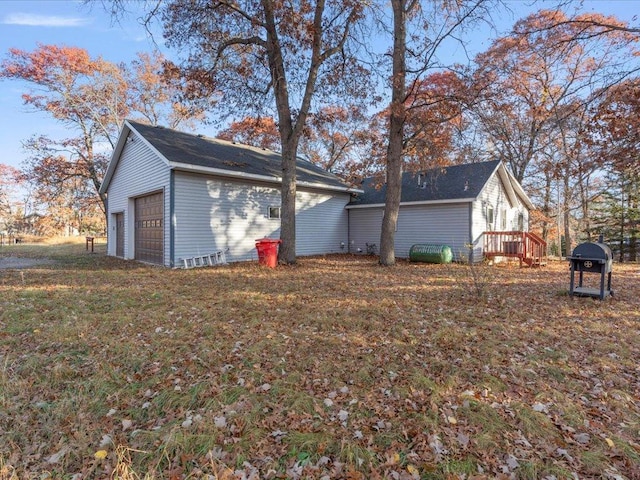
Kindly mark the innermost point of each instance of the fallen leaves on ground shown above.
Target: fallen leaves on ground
(332, 368)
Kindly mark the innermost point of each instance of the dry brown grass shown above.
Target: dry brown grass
(336, 367)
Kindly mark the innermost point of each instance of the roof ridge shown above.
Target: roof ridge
(197, 152)
(202, 136)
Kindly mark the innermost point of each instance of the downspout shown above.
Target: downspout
(172, 219)
(107, 215)
(348, 228)
(471, 232)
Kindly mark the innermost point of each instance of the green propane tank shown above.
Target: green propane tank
(430, 253)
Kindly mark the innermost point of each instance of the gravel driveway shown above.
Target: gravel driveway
(20, 263)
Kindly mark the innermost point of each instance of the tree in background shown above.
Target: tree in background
(526, 80)
(413, 57)
(534, 90)
(86, 95)
(8, 178)
(616, 140)
(157, 95)
(9, 209)
(434, 116)
(60, 187)
(334, 138)
(255, 131)
(91, 98)
(617, 212)
(271, 56)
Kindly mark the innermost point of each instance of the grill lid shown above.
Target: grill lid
(592, 251)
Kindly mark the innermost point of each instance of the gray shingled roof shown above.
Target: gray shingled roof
(200, 151)
(451, 183)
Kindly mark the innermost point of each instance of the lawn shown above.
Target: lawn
(333, 368)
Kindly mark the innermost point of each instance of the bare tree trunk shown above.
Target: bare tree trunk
(396, 136)
(623, 220)
(566, 216)
(633, 224)
(585, 204)
(546, 207)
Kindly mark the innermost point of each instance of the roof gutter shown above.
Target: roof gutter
(421, 202)
(252, 176)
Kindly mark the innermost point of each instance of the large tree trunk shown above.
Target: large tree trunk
(287, 252)
(396, 136)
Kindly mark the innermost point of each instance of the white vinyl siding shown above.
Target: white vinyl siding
(365, 225)
(139, 172)
(494, 195)
(444, 224)
(212, 214)
(438, 224)
(321, 222)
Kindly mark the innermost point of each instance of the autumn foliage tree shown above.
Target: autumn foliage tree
(526, 80)
(256, 131)
(616, 141)
(83, 94)
(157, 94)
(267, 55)
(90, 97)
(335, 137)
(9, 179)
(418, 33)
(434, 116)
(532, 89)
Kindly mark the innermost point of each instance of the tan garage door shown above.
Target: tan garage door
(149, 228)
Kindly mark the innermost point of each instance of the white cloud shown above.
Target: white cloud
(34, 20)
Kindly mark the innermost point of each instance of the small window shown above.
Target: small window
(490, 215)
(503, 219)
(521, 221)
(274, 212)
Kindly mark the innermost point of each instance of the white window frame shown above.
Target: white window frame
(491, 216)
(271, 212)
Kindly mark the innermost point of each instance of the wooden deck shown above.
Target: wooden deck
(527, 247)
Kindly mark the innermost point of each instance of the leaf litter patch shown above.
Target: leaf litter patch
(337, 368)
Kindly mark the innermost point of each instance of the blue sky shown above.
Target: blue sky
(25, 24)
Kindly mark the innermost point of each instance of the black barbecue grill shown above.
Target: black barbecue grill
(591, 257)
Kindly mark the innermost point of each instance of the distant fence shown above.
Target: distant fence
(9, 239)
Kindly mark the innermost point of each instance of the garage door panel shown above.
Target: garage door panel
(149, 228)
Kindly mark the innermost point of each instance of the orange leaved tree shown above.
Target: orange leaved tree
(90, 97)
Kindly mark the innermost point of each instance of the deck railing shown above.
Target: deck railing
(526, 246)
